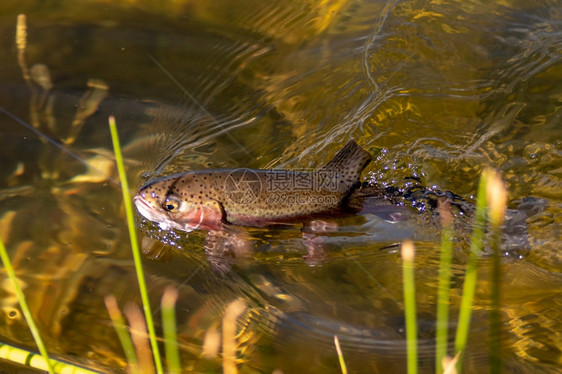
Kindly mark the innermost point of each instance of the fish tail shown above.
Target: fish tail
(348, 163)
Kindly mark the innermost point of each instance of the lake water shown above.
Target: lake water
(437, 90)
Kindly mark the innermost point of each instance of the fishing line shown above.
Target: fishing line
(371, 41)
(157, 309)
(199, 105)
(372, 278)
(56, 144)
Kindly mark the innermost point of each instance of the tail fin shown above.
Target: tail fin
(348, 163)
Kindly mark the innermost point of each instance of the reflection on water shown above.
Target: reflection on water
(432, 90)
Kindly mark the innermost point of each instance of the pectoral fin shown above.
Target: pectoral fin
(226, 246)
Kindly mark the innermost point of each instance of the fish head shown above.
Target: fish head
(177, 202)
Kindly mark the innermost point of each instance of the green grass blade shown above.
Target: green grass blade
(170, 334)
(469, 287)
(410, 306)
(446, 256)
(24, 306)
(135, 246)
(340, 355)
(443, 296)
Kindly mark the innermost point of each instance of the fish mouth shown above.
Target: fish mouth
(146, 210)
(161, 218)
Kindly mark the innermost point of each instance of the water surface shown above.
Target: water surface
(435, 90)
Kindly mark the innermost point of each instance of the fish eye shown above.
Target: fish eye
(172, 203)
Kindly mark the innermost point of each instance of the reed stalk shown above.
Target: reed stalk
(410, 305)
(24, 307)
(443, 290)
(137, 329)
(469, 287)
(497, 200)
(122, 333)
(340, 355)
(137, 258)
(170, 332)
(31, 359)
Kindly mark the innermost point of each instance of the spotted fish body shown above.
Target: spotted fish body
(211, 199)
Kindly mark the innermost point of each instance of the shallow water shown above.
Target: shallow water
(435, 90)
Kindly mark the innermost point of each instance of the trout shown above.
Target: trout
(217, 198)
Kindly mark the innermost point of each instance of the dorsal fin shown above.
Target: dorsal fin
(348, 164)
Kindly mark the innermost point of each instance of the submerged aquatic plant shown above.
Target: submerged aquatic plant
(25, 357)
(24, 307)
(8, 352)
